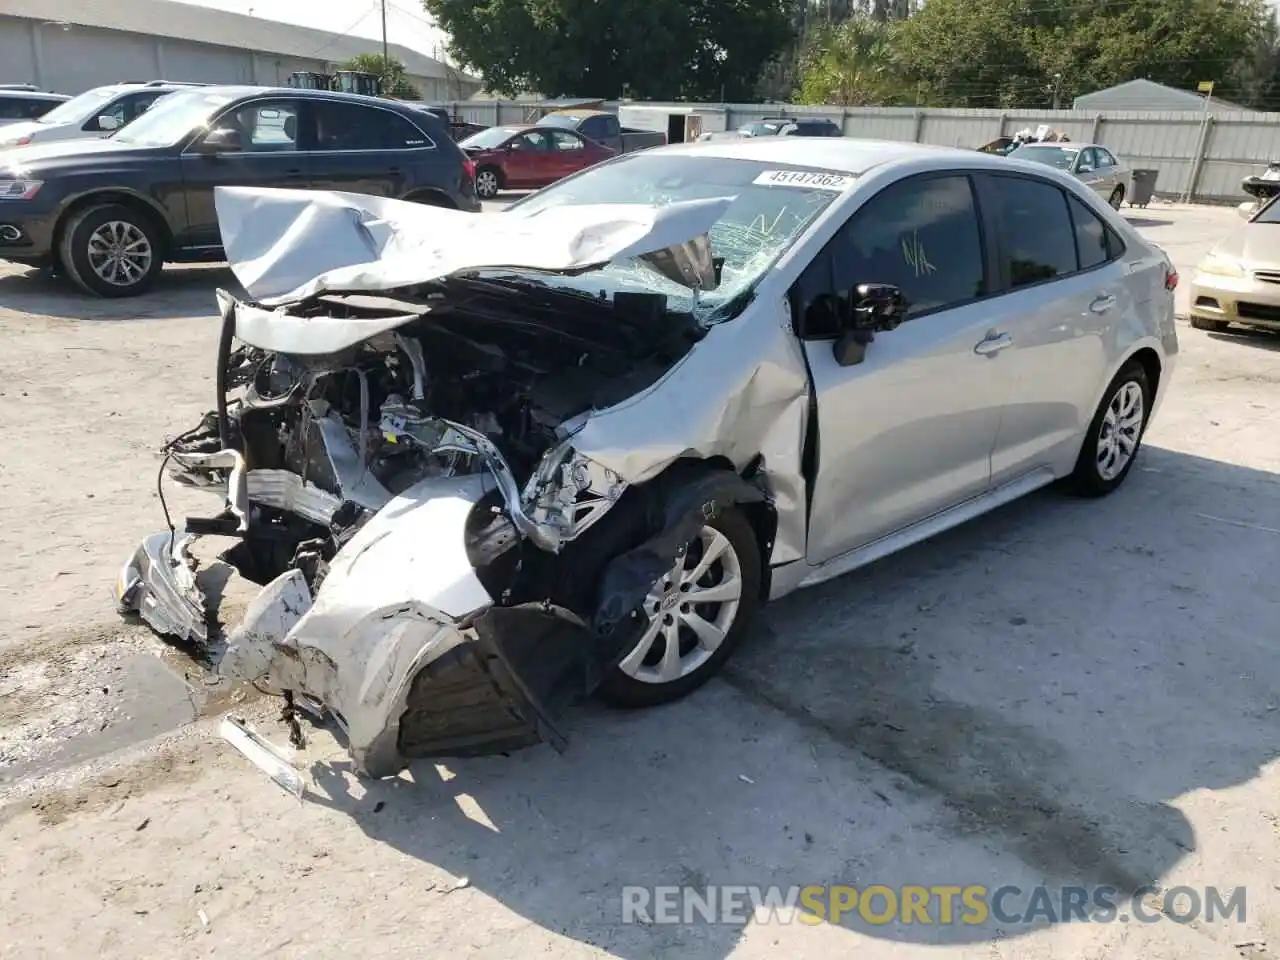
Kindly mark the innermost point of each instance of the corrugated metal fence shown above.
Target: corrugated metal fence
(1206, 158)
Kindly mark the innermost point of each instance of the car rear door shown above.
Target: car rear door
(1064, 291)
(908, 431)
(361, 149)
(269, 156)
(569, 153)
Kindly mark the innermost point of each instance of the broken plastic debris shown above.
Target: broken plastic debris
(263, 754)
(204, 918)
(744, 778)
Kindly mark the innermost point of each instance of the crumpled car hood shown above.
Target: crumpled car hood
(286, 245)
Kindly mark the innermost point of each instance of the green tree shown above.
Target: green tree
(998, 53)
(852, 64)
(659, 49)
(395, 79)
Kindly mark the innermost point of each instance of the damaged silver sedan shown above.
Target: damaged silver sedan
(482, 465)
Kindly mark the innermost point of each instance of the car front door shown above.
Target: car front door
(1059, 264)
(262, 151)
(1089, 174)
(361, 149)
(1109, 169)
(529, 160)
(908, 431)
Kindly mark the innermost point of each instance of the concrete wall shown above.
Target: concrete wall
(72, 61)
(1206, 160)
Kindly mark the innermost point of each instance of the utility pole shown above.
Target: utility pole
(386, 69)
(1057, 89)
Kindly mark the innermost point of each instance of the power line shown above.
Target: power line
(344, 34)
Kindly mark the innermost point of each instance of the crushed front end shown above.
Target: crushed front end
(398, 475)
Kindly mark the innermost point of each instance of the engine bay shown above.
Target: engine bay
(484, 375)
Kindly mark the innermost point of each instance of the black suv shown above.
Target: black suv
(109, 213)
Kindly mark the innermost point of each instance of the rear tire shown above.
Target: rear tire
(111, 250)
(434, 200)
(1214, 326)
(734, 573)
(1113, 438)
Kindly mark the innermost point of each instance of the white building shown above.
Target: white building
(73, 45)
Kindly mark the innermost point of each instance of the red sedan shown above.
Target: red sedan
(516, 158)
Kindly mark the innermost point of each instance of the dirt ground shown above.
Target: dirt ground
(1063, 692)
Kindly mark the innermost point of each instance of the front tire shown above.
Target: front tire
(488, 182)
(1117, 198)
(1112, 441)
(111, 250)
(694, 616)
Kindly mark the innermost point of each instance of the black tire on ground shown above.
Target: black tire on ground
(1117, 198)
(1215, 326)
(488, 182)
(620, 689)
(135, 231)
(433, 200)
(1088, 479)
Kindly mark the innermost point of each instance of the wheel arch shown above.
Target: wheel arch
(687, 492)
(433, 197)
(124, 198)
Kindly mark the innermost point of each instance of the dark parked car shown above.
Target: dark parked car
(109, 213)
(18, 105)
(792, 127)
(458, 129)
(514, 158)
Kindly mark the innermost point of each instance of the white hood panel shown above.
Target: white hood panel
(285, 245)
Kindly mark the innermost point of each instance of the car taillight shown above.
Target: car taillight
(469, 168)
(1170, 277)
(17, 142)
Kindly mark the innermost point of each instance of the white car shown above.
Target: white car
(95, 113)
(20, 106)
(576, 445)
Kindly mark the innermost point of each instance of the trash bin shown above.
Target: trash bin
(1143, 188)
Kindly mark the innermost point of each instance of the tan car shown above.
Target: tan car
(1239, 281)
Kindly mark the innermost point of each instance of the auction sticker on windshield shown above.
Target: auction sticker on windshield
(804, 178)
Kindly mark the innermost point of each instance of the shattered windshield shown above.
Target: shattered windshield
(773, 204)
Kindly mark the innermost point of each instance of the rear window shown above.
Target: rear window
(24, 108)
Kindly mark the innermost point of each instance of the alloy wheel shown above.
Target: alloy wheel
(487, 184)
(120, 253)
(1121, 430)
(690, 611)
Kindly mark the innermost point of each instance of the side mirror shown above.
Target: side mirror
(108, 123)
(869, 308)
(1247, 209)
(1084, 168)
(221, 140)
